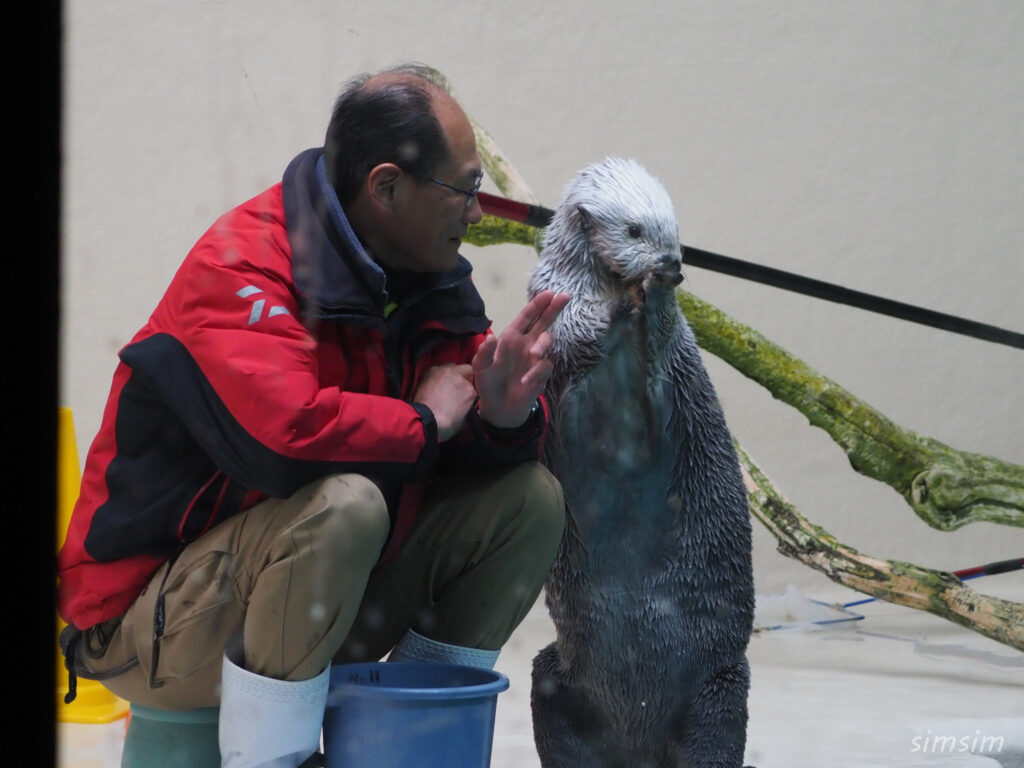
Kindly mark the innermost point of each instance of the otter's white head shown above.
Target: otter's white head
(615, 228)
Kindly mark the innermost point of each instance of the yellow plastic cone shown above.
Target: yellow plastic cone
(94, 703)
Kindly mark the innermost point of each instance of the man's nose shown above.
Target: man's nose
(474, 213)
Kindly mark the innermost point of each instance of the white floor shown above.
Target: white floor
(897, 688)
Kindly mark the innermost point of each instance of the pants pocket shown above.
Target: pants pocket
(202, 609)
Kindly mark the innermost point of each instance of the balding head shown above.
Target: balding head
(404, 75)
(387, 117)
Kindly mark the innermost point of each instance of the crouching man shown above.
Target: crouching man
(315, 450)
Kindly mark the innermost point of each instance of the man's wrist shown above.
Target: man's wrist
(431, 429)
(511, 433)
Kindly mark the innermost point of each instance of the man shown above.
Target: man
(314, 449)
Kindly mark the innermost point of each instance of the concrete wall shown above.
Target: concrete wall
(874, 144)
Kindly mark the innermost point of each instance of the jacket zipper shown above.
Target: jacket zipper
(394, 352)
(392, 365)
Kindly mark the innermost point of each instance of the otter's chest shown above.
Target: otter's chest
(617, 419)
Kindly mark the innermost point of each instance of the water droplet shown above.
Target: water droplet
(547, 686)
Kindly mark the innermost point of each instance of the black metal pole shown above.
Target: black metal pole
(538, 216)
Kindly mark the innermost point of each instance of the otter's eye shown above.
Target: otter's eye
(634, 230)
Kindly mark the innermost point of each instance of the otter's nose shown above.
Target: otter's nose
(669, 269)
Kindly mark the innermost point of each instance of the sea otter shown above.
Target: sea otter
(651, 592)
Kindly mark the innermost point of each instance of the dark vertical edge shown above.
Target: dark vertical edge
(31, 310)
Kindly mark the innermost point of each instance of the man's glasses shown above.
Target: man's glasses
(469, 193)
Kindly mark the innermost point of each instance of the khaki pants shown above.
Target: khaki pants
(293, 582)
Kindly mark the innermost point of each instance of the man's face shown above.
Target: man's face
(431, 219)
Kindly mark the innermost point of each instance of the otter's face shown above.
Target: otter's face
(629, 225)
(636, 249)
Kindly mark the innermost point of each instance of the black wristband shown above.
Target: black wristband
(506, 434)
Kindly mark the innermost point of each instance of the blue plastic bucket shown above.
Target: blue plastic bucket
(392, 715)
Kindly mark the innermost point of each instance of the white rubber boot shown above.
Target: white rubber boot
(268, 723)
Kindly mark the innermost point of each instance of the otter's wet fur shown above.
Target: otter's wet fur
(651, 592)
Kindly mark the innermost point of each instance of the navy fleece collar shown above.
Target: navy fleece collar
(331, 268)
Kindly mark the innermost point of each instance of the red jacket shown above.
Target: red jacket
(273, 359)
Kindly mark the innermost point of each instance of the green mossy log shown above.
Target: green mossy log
(937, 592)
(946, 487)
(495, 231)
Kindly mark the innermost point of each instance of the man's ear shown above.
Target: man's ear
(381, 183)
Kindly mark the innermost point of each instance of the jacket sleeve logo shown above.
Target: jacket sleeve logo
(256, 313)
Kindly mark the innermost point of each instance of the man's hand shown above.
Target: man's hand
(447, 390)
(510, 371)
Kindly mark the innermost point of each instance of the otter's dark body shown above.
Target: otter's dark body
(651, 592)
